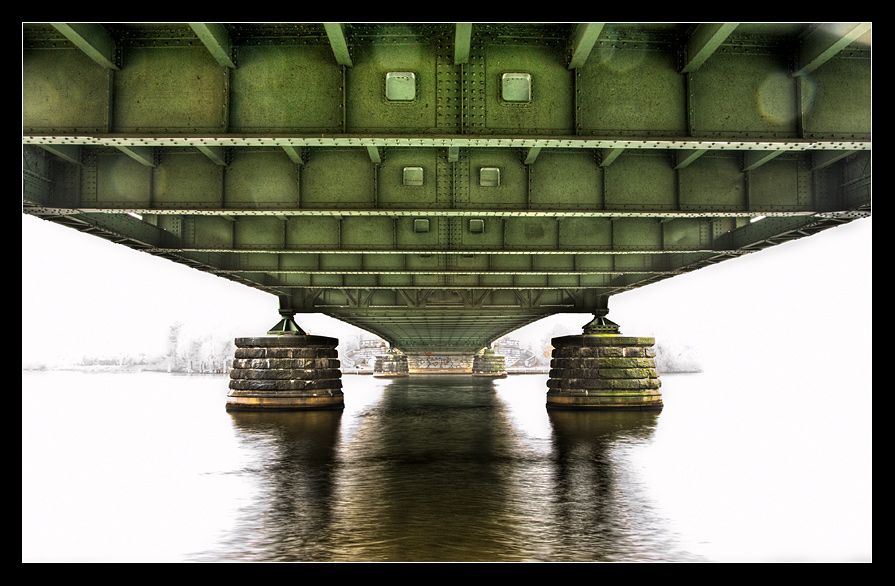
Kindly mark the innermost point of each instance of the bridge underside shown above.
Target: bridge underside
(443, 185)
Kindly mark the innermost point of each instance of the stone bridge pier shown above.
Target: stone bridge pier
(391, 365)
(601, 369)
(487, 363)
(286, 370)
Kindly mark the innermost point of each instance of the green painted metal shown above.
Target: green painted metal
(443, 184)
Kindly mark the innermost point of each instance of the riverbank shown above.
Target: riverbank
(113, 368)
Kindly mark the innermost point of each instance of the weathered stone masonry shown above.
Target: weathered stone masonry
(603, 372)
(287, 372)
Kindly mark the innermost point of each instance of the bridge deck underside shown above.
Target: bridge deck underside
(446, 208)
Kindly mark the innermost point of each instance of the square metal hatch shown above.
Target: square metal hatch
(413, 176)
(515, 87)
(489, 177)
(400, 86)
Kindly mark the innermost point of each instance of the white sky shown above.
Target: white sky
(803, 308)
(83, 295)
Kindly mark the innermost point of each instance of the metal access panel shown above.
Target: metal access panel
(440, 185)
(392, 85)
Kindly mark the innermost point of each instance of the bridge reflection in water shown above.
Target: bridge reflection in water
(443, 468)
(435, 469)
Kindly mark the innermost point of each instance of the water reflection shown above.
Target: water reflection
(443, 469)
(597, 505)
(150, 467)
(434, 465)
(295, 479)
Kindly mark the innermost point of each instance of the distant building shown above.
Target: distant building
(516, 357)
(362, 357)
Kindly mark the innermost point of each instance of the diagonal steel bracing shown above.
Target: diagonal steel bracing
(441, 185)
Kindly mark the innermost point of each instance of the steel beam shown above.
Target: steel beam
(216, 154)
(825, 41)
(559, 185)
(826, 158)
(296, 154)
(335, 31)
(141, 154)
(582, 43)
(685, 158)
(755, 159)
(217, 40)
(92, 39)
(704, 41)
(70, 153)
(297, 174)
(509, 141)
(462, 41)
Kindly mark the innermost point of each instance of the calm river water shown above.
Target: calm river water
(150, 467)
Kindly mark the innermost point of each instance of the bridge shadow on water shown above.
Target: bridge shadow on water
(444, 468)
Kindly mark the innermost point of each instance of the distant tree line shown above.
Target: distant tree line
(188, 350)
(198, 351)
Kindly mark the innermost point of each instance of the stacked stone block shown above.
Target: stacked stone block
(288, 372)
(390, 365)
(489, 364)
(603, 372)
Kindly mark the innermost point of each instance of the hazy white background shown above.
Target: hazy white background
(83, 295)
(795, 482)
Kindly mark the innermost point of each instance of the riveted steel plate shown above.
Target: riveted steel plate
(440, 195)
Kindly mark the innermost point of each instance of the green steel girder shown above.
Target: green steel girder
(450, 209)
(343, 181)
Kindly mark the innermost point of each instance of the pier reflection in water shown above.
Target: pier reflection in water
(443, 468)
(424, 468)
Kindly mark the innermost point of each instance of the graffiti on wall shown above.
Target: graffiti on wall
(447, 362)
